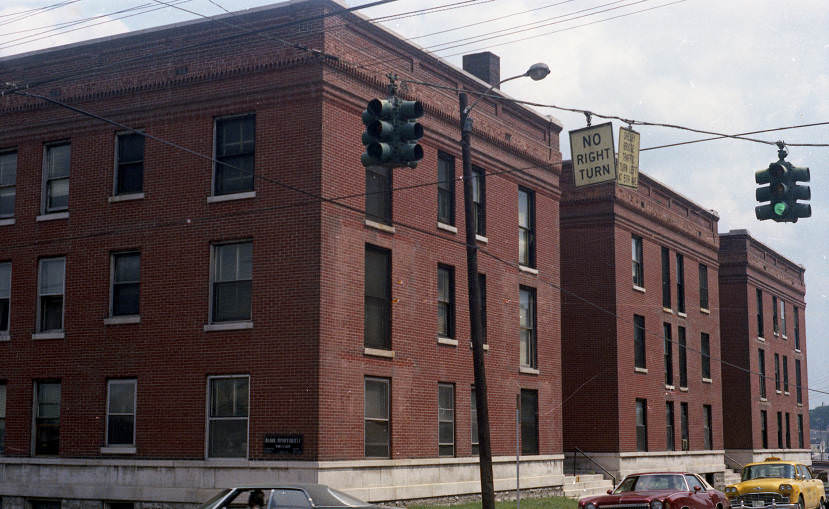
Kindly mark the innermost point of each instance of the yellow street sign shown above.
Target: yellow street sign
(594, 160)
(628, 158)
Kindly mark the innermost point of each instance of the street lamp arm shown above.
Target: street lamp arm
(536, 72)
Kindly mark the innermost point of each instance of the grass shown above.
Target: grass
(526, 503)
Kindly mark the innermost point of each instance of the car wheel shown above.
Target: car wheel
(801, 503)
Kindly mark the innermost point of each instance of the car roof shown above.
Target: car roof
(661, 473)
(320, 493)
(773, 461)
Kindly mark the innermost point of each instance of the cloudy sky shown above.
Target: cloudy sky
(727, 66)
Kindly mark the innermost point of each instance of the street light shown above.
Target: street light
(536, 72)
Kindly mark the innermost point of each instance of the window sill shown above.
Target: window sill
(683, 389)
(784, 336)
(681, 314)
(52, 216)
(481, 238)
(121, 320)
(763, 400)
(778, 392)
(48, 335)
(670, 387)
(380, 226)
(126, 197)
(776, 334)
(7, 221)
(797, 350)
(377, 352)
(118, 450)
(761, 339)
(707, 381)
(668, 310)
(528, 270)
(231, 197)
(447, 341)
(5, 336)
(640, 370)
(212, 327)
(800, 405)
(705, 311)
(526, 370)
(638, 289)
(786, 393)
(486, 346)
(447, 227)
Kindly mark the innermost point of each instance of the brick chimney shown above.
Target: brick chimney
(486, 66)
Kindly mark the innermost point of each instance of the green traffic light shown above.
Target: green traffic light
(780, 208)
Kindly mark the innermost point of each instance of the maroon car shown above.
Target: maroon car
(659, 490)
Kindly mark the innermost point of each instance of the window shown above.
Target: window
(638, 267)
(121, 395)
(446, 301)
(473, 421)
(800, 431)
(377, 298)
(47, 418)
(446, 419)
(446, 189)
(707, 432)
(666, 278)
(703, 286)
(669, 356)
(126, 282)
(777, 372)
(5, 296)
(779, 430)
(764, 429)
(762, 365)
(44, 504)
(693, 482)
(2, 418)
(641, 424)
(526, 227)
(796, 315)
(785, 374)
(683, 424)
(774, 325)
(705, 349)
(683, 357)
(482, 285)
(50, 294)
(797, 387)
(669, 426)
(680, 283)
(479, 200)
(783, 318)
(235, 143)
(639, 341)
(231, 286)
(56, 178)
(527, 324)
(760, 313)
(788, 433)
(529, 421)
(8, 181)
(228, 418)
(129, 163)
(377, 426)
(378, 194)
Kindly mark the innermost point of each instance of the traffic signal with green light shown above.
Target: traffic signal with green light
(391, 133)
(782, 192)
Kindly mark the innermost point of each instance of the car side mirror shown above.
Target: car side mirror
(609, 492)
(696, 489)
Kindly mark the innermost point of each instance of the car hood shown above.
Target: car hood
(630, 497)
(762, 485)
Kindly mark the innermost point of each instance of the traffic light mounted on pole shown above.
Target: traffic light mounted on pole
(782, 191)
(391, 133)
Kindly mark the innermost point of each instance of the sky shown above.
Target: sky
(727, 66)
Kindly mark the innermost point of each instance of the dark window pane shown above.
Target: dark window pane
(130, 163)
(639, 341)
(706, 355)
(231, 301)
(51, 312)
(666, 278)
(7, 196)
(121, 398)
(680, 283)
(235, 141)
(529, 422)
(446, 189)
(377, 323)
(229, 397)
(378, 194)
(377, 439)
(125, 297)
(8, 169)
(479, 201)
(703, 286)
(120, 429)
(228, 438)
(57, 195)
(683, 358)
(4, 314)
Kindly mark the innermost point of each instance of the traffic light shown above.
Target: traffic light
(408, 151)
(378, 117)
(782, 192)
(391, 133)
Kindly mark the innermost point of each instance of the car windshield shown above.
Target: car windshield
(768, 470)
(652, 482)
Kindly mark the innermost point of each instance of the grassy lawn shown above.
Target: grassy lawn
(526, 503)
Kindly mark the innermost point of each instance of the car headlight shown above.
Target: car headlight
(590, 505)
(656, 504)
(784, 488)
(731, 489)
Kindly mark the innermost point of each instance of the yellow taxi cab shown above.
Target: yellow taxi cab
(779, 482)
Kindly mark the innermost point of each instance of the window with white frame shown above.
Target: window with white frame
(446, 419)
(50, 288)
(227, 420)
(446, 189)
(8, 182)
(47, 418)
(129, 163)
(5, 296)
(783, 318)
(121, 396)
(235, 144)
(637, 262)
(56, 177)
(377, 431)
(526, 227)
(446, 301)
(126, 283)
(479, 200)
(529, 421)
(232, 275)
(528, 357)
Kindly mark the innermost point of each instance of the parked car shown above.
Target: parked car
(659, 490)
(777, 481)
(285, 496)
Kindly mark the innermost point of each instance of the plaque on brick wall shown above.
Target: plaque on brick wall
(283, 444)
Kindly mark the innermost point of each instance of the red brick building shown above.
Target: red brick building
(640, 328)
(764, 343)
(173, 324)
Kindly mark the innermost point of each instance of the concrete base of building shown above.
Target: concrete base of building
(621, 464)
(85, 484)
(743, 456)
